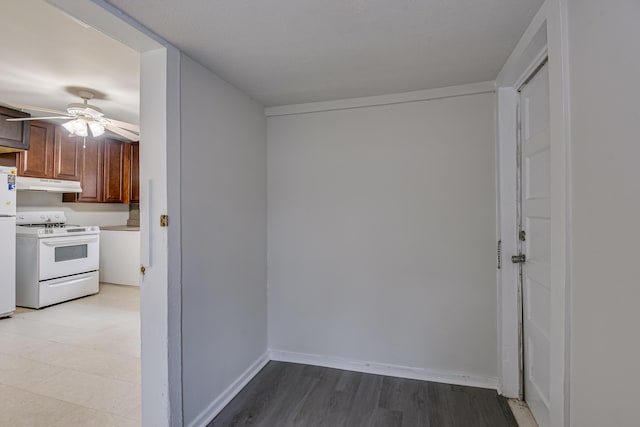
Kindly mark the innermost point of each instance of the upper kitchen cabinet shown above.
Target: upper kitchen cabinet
(116, 171)
(14, 136)
(53, 154)
(66, 155)
(38, 161)
(106, 168)
(90, 168)
(107, 173)
(134, 167)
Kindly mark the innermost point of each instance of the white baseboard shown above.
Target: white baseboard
(456, 378)
(225, 397)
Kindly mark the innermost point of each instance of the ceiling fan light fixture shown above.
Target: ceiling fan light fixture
(82, 119)
(84, 108)
(68, 126)
(76, 127)
(81, 128)
(96, 128)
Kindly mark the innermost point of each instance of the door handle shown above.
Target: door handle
(68, 242)
(518, 259)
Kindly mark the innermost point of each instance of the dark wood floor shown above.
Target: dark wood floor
(288, 394)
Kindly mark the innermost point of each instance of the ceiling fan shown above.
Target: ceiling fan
(84, 118)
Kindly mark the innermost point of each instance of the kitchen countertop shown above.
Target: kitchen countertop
(119, 228)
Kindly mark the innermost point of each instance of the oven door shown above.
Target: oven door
(64, 256)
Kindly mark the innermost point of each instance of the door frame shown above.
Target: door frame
(545, 37)
(160, 290)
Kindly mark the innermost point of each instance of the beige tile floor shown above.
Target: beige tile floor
(73, 364)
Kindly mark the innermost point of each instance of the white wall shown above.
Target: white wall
(604, 65)
(382, 235)
(224, 199)
(76, 213)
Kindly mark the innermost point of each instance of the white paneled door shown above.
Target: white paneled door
(535, 241)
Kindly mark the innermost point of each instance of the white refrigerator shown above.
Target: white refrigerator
(7, 241)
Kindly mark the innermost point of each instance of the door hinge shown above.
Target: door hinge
(499, 254)
(518, 259)
(522, 235)
(164, 220)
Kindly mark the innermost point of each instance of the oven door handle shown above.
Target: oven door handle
(69, 242)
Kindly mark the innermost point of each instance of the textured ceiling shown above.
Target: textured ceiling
(296, 51)
(46, 54)
(278, 51)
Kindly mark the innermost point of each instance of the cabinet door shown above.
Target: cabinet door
(66, 156)
(14, 136)
(90, 165)
(134, 190)
(114, 188)
(38, 161)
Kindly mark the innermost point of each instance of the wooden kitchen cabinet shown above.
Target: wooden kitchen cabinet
(107, 168)
(105, 172)
(14, 136)
(67, 151)
(38, 161)
(53, 154)
(89, 167)
(116, 171)
(134, 167)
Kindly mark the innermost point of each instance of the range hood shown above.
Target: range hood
(51, 185)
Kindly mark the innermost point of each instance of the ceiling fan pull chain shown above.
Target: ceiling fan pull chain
(84, 142)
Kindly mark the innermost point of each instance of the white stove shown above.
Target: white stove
(49, 224)
(55, 262)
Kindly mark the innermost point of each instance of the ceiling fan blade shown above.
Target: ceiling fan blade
(125, 125)
(129, 135)
(34, 108)
(24, 119)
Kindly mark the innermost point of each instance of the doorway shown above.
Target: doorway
(159, 64)
(160, 298)
(534, 240)
(78, 356)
